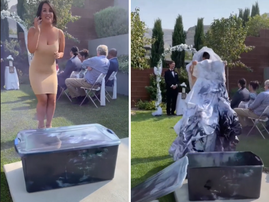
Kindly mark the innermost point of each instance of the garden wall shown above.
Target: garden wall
(140, 79)
(119, 42)
(122, 84)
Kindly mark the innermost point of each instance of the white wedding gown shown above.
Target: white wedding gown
(208, 122)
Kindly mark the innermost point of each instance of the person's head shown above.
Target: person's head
(253, 86)
(74, 51)
(112, 53)
(46, 12)
(171, 65)
(266, 85)
(102, 50)
(242, 83)
(83, 54)
(206, 56)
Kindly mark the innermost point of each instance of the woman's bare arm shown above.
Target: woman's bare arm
(33, 39)
(193, 78)
(61, 44)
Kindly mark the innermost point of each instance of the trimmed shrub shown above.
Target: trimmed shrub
(112, 21)
(123, 63)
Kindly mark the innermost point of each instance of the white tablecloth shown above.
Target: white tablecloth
(11, 80)
(180, 105)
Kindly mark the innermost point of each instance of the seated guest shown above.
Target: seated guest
(241, 95)
(253, 87)
(113, 67)
(73, 64)
(95, 66)
(82, 55)
(256, 108)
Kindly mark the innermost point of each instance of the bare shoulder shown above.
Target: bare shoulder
(31, 30)
(61, 33)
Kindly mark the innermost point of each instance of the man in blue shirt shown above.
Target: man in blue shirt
(256, 108)
(95, 66)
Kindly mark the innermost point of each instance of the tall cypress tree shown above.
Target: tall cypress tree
(179, 37)
(21, 11)
(255, 10)
(199, 34)
(4, 22)
(246, 15)
(241, 13)
(157, 48)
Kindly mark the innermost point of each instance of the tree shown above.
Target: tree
(246, 15)
(255, 10)
(4, 22)
(20, 11)
(178, 38)
(199, 35)
(241, 12)
(62, 8)
(256, 23)
(157, 48)
(138, 42)
(227, 38)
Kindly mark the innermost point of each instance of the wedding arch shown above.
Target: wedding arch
(19, 21)
(158, 73)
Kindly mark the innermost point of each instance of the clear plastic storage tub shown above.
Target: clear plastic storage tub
(67, 156)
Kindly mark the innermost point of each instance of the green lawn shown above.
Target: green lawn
(152, 137)
(18, 112)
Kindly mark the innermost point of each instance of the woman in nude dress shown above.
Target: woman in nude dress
(47, 43)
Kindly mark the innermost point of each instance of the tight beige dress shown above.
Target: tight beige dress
(42, 70)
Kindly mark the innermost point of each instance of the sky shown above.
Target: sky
(191, 10)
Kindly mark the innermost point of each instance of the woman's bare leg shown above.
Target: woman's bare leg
(41, 109)
(50, 109)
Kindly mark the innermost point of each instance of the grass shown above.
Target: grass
(18, 112)
(152, 137)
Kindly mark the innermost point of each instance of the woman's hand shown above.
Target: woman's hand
(56, 55)
(37, 23)
(194, 63)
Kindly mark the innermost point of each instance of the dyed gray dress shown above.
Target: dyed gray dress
(208, 122)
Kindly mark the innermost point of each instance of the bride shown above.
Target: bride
(208, 123)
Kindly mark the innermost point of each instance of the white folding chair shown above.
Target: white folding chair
(92, 90)
(64, 90)
(111, 78)
(263, 118)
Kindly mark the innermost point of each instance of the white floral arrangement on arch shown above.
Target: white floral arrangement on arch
(181, 47)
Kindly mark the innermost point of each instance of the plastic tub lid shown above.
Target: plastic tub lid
(65, 138)
(162, 183)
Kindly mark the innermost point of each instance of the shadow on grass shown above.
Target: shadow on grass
(7, 145)
(150, 159)
(147, 115)
(5, 194)
(20, 99)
